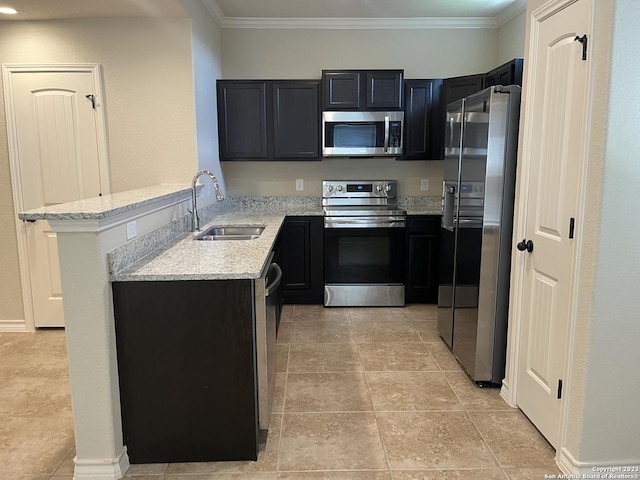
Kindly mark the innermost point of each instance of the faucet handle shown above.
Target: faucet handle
(216, 186)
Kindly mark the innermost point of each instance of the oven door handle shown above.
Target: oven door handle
(269, 289)
(393, 222)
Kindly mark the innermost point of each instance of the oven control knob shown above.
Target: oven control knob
(330, 188)
(339, 188)
(379, 187)
(387, 187)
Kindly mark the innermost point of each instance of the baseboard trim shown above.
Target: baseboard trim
(13, 326)
(111, 469)
(506, 394)
(569, 465)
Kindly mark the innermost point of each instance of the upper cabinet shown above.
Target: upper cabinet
(459, 87)
(340, 90)
(295, 119)
(423, 128)
(362, 89)
(242, 120)
(269, 119)
(281, 119)
(508, 74)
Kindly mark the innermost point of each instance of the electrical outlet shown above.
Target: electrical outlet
(299, 184)
(132, 230)
(424, 184)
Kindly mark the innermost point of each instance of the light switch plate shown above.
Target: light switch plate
(299, 184)
(424, 184)
(132, 230)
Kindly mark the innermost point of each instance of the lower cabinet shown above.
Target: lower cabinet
(421, 284)
(301, 258)
(186, 363)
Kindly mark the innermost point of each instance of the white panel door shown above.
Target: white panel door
(555, 152)
(57, 148)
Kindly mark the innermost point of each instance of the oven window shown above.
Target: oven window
(358, 255)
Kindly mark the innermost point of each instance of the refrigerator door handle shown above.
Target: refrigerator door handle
(448, 200)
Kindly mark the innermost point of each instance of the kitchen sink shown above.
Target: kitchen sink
(231, 233)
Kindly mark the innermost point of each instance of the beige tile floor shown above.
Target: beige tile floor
(361, 394)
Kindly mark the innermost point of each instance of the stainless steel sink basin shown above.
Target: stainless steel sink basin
(231, 233)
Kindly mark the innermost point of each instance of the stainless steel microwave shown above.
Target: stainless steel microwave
(362, 134)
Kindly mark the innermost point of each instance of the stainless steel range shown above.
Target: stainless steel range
(364, 238)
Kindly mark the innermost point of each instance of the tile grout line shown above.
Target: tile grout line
(375, 414)
(486, 443)
(284, 397)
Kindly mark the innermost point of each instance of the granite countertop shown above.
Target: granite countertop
(171, 254)
(189, 259)
(98, 208)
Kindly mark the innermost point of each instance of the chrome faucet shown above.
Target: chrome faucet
(195, 221)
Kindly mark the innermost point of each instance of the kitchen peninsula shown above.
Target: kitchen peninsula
(88, 231)
(96, 249)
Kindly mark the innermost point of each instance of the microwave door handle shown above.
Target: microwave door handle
(386, 133)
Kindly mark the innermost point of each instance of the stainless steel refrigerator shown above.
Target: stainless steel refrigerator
(477, 220)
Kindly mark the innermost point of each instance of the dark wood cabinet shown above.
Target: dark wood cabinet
(341, 90)
(301, 259)
(242, 120)
(423, 125)
(459, 87)
(186, 364)
(421, 284)
(384, 89)
(296, 120)
(362, 89)
(508, 74)
(269, 119)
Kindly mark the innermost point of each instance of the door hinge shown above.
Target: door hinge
(583, 41)
(572, 226)
(559, 389)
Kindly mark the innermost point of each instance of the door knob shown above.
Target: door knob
(525, 245)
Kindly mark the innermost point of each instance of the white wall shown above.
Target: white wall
(206, 47)
(610, 428)
(291, 53)
(603, 426)
(278, 178)
(149, 101)
(511, 39)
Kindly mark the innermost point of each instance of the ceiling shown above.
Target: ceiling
(59, 9)
(288, 13)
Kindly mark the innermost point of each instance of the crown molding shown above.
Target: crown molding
(360, 23)
(513, 10)
(213, 7)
